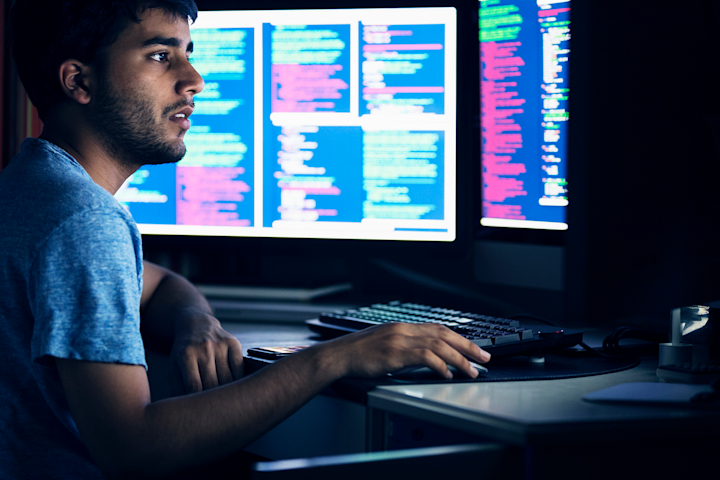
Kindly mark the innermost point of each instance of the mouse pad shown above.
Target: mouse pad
(555, 366)
(516, 369)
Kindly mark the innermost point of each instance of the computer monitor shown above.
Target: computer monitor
(524, 57)
(315, 123)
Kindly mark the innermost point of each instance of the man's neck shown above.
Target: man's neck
(81, 142)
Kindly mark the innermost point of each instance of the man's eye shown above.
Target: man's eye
(160, 57)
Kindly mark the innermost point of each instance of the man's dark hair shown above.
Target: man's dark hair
(45, 33)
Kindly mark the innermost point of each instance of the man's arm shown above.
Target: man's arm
(204, 355)
(128, 436)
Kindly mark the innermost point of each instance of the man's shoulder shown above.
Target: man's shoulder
(44, 188)
(46, 182)
(57, 176)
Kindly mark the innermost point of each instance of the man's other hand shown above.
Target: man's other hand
(203, 355)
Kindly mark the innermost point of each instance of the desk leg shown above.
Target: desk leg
(376, 430)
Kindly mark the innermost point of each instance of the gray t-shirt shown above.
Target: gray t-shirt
(70, 285)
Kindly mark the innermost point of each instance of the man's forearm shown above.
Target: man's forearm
(237, 414)
(127, 434)
(173, 302)
(168, 435)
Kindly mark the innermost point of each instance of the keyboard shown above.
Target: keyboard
(499, 336)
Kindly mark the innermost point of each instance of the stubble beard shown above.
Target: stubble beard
(131, 132)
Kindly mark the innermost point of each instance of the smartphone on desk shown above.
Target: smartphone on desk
(274, 353)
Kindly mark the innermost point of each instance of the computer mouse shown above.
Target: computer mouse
(480, 368)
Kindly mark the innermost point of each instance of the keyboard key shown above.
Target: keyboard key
(462, 320)
(507, 338)
(526, 334)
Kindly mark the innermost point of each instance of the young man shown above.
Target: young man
(114, 86)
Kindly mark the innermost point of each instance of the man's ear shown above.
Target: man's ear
(76, 80)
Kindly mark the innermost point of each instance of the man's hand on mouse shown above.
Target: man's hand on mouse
(379, 350)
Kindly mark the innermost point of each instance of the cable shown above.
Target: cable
(611, 344)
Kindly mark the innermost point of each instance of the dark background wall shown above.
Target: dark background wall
(645, 146)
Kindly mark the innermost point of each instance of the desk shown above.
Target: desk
(561, 435)
(547, 420)
(543, 412)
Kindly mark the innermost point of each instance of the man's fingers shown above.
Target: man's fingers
(437, 354)
(393, 347)
(229, 362)
(461, 344)
(235, 359)
(437, 347)
(191, 374)
(467, 348)
(224, 375)
(431, 359)
(207, 365)
(208, 370)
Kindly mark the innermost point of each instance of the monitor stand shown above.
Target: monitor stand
(231, 275)
(272, 304)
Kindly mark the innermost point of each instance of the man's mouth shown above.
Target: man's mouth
(181, 118)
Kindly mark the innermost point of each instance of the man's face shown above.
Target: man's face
(145, 91)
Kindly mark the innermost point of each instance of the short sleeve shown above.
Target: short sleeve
(84, 290)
